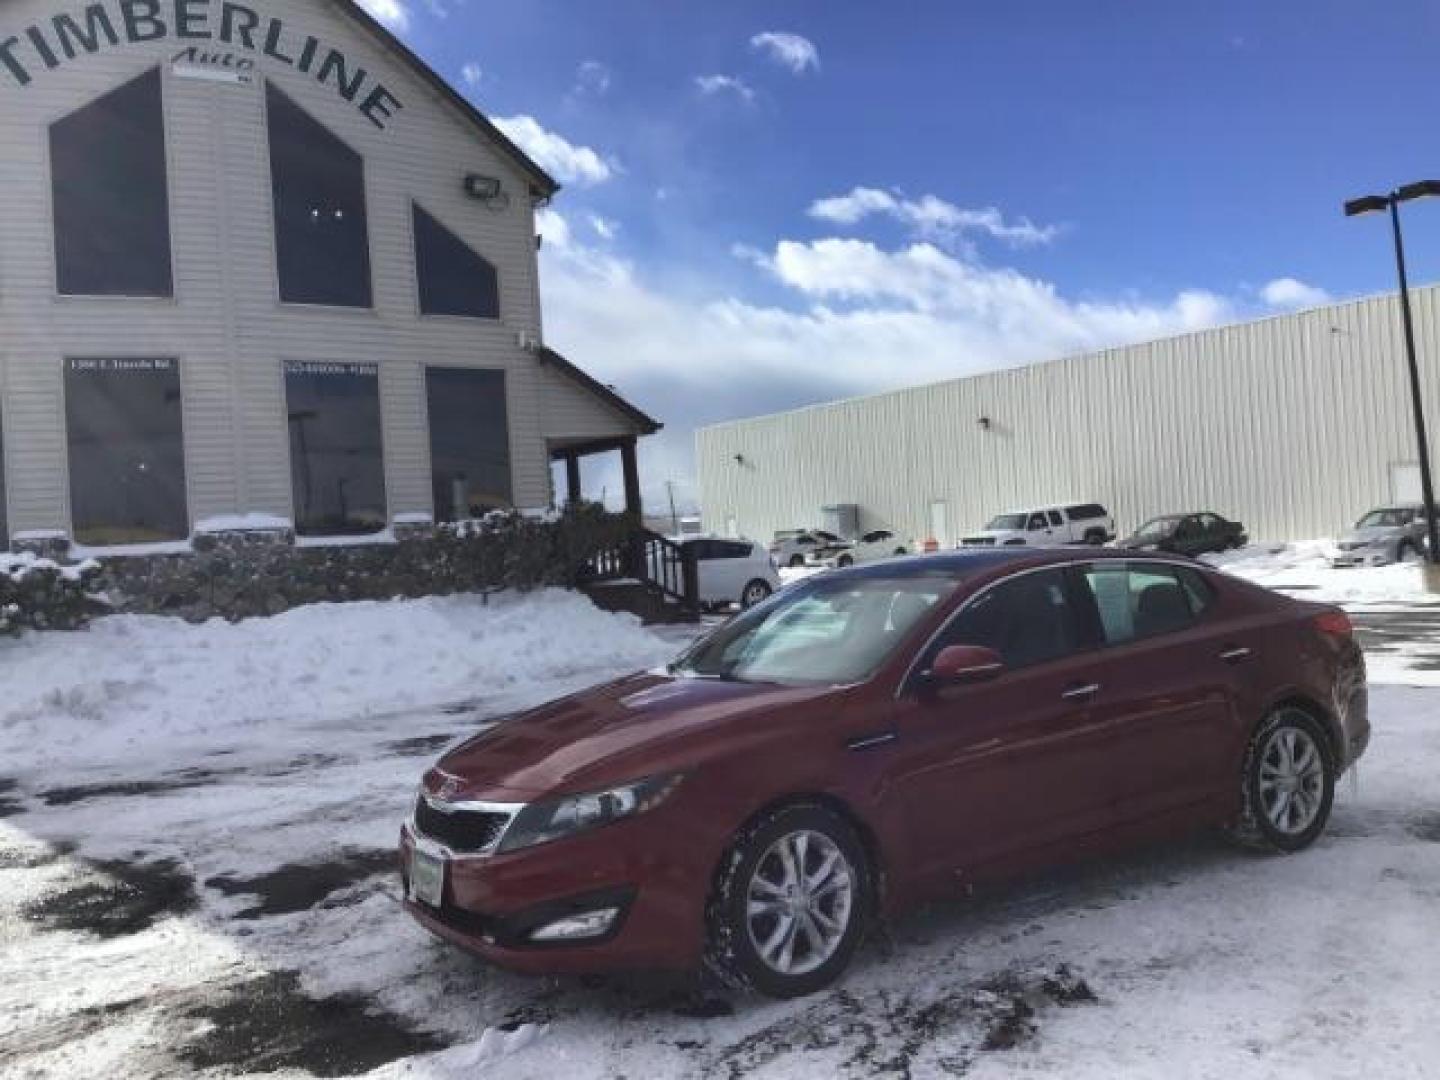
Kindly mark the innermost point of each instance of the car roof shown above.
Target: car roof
(968, 562)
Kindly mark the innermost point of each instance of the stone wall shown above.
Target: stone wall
(242, 574)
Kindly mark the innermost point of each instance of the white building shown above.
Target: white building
(1293, 424)
(257, 259)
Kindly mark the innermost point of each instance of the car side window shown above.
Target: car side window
(1136, 602)
(703, 549)
(1055, 518)
(731, 550)
(1037, 521)
(1027, 620)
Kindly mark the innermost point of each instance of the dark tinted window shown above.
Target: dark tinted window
(318, 186)
(4, 530)
(337, 470)
(1037, 521)
(453, 279)
(1027, 620)
(469, 441)
(112, 213)
(1139, 601)
(127, 456)
(1085, 510)
(1055, 518)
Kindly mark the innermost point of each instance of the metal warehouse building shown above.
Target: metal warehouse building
(1294, 424)
(259, 263)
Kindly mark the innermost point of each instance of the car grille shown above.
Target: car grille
(978, 541)
(461, 829)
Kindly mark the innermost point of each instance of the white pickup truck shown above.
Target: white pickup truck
(1065, 523)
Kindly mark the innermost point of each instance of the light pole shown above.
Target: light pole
(1368, 204)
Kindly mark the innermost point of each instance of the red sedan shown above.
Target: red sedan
(878, 736)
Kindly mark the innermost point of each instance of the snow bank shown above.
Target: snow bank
(130, 681)
(1304, 570)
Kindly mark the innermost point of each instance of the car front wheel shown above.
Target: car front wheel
(1288, 782)
(754, 592)
(844, 560)
(797, 560)
(790, 902)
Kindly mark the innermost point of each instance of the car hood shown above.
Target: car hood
(641, 725)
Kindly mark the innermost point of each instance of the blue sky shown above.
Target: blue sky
(1034, 179)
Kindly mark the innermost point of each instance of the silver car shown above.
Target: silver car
(1387, 534)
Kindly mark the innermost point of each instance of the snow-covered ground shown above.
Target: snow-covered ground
(195, 874)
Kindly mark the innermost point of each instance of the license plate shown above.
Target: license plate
(427, 876)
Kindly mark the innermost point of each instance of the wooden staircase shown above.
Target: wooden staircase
(648, 575)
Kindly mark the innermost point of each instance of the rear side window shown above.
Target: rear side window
(1027, 620)
(1084, 511)
(731, 550)
(1055, 518)
(1136, 602)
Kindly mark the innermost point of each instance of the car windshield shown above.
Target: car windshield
(826, 631)
(1157, 527)
(1386, 519)
(1007, 521)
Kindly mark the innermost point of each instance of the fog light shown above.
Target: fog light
(586, 924)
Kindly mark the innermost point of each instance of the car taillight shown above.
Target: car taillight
(1334, 622)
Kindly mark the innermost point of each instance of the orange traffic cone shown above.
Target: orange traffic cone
(931, 544)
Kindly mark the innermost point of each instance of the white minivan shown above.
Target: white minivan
(1068, 523)
(732, 571)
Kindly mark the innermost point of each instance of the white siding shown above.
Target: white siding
(1291, 424)
(225, 323)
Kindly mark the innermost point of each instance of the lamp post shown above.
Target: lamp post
(1368, 204)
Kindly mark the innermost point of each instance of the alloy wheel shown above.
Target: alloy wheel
(1291, 780)
(799, 902)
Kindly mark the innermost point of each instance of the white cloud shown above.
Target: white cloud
(553, 228)
(569, 163)
(393, 14)
(472, 74)
(930, 216)
(793, 51)
(592, 78)
(605, 228)
(1288, 292)
(863, 319)
(710, 85)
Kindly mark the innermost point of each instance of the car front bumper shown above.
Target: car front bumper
(491, 905)
(1363, 557)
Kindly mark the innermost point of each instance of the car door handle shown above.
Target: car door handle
(1235, 655)
(1080, 691)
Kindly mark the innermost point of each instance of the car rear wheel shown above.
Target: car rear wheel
(797, 560)
(900, 551)
(845, 560)
(790, 903)
(1288, 782)
(754, 592)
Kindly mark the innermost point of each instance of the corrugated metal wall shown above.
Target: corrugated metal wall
(1293, 424)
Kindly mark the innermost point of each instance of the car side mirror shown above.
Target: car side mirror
(965, 664)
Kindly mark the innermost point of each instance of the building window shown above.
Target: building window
(318, 184)
(453, 279)
(127, 454)
(337, 468)
(469, 441)
(108, 192)
(4, 525)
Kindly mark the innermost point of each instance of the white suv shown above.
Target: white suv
(880, 544)
(1068, 523)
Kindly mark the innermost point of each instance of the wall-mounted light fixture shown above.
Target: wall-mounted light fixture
(482, 187)
(739, 459)
(984, 423)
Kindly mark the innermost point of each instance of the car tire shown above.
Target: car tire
(1404, 550)
(845, 560)
(754, 591)
(900, 551)
(1095, 537)
(797, 560)
(777, 945)
(1287, 782)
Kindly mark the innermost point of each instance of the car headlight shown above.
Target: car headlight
(541, 822)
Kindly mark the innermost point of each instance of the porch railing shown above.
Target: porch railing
(655, 560)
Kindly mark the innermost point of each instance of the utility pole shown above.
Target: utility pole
(674, 517)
